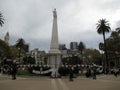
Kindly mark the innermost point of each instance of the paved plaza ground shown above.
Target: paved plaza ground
(103, 82)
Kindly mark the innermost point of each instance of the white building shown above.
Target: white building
(38, 55)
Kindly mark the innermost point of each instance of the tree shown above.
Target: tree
(20, 45)
(93, 56)
(113, 44)
(4, 50)
(101, 46)
(102, 28)
(81, 47)
(1, 19)
(14, 51)
(29, 60)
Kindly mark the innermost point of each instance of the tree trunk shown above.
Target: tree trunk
(106, 56)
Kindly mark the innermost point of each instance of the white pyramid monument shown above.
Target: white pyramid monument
(54, 59)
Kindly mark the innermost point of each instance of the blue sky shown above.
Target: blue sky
(32, 20)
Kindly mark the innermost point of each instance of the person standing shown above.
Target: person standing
(115, 72)
(94, 72)
(88, 73)
(14, 71)
(71, 74)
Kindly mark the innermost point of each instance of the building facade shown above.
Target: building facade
(74, 46)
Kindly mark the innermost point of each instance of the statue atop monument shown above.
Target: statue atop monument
(55, 13)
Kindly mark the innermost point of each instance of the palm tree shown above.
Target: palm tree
(20, 45)
(1, 19)
(102, 28)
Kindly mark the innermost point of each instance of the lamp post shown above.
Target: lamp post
(19, 54)
(83, 59)
(2, 66)
(89, 60)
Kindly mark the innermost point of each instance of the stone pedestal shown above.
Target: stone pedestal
(54, 61)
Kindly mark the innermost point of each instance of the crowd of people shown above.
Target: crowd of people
(11, 70)
(90, 71)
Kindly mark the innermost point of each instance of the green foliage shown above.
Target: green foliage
(14, 51)
(103, 26)
(4, 50)
(101, 46)
(21, 46)
(113, 42)
(1, 19)
(64, 71)
(71, 60)
(24, 72)
(20, 43)
(93, 55)
(29, 60)
(92, 52)
(81, 47)
(113, 45)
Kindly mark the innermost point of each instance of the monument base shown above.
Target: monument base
(54, 61)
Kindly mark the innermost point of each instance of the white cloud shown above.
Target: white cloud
(32, 20)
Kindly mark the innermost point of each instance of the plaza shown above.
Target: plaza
(103, 82)
(74, 49)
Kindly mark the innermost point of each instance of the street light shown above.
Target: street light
(19, 54)
(89, 60)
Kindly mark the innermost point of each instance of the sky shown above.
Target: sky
(32, 20)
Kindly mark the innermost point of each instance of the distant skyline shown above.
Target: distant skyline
(32, 20)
